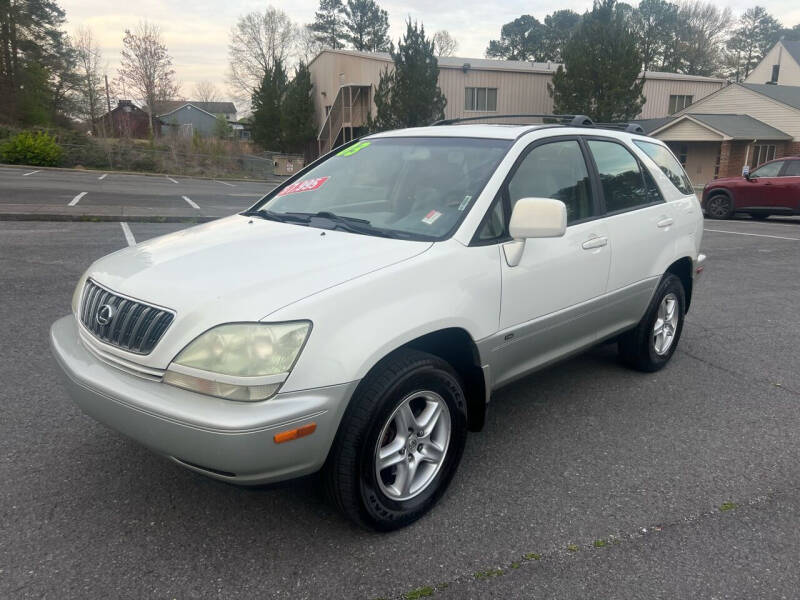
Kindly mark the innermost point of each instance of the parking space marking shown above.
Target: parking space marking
(190, 202)
(246, 195)
(774, 237)
(76, 199)
(225, 183)
(103, 176)
(31, 173)
(128, 234)
(172, 180)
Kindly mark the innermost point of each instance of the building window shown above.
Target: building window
(761, 154)
(683, 152)
(480, 99)
(716, 163)
(679, 102)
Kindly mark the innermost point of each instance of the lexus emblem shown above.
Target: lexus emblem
(104, 314)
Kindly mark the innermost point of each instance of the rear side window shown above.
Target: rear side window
(622, 180)
(555, 170)
(668, 165)
(792, 168)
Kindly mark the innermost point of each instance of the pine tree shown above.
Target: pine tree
(266, 105)
(297, 114)
(409, 95)
(600, 75)
(328, 25)
(366, 25)
(756, 34)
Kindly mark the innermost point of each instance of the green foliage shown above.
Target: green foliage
(366, 26)
(222, 129)
(297, 112)
(726, 506)
(655, 24)
(409, 95)
(328, 25)
(422, 592)
(756, 33)
(266, 104)
(600, 75)
(28, 148)
(525, 38)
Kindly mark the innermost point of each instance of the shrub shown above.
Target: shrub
(27, 148)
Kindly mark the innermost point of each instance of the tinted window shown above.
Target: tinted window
(668, 164)
(555, 170)
(792, 168)
(620, 176)
(768, 170)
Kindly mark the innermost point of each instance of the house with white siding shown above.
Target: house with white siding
(781, 65)
(345, 80)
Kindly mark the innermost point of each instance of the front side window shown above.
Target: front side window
(620, 176)
(665, 161)
(678, 102)
(555, 170)
(769, 170)
(413, 188)
(480, 99)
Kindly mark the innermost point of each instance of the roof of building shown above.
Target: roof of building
(652, 124)
(793, 48)
(735, 127)
(214, 108)
(786, 94)
(492, 64)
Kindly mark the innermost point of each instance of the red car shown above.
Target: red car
(772, 189)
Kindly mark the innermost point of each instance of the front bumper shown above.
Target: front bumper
(228, 440)
(699, 267)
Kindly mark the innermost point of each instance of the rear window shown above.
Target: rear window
(668, 164)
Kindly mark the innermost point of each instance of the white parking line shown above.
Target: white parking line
(31, 173)
(225, 183)
(128, 234)
(189, 201)
(172, 180)
(103, 176)
(775, 237)
(246, 195)
(77, 199)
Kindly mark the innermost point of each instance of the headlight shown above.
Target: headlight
(239, 361)
(76, 295)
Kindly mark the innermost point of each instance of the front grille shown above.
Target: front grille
(133, 326)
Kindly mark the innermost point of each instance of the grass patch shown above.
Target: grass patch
(726, 506)
(600, 543)
(421, 592)
(489, 574)
(573, 548)
(515, 565)
(532, 556)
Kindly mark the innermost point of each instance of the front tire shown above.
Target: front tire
(399, 443)
(719, 206)
(649, 346)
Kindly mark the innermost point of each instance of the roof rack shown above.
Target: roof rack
(568, 120)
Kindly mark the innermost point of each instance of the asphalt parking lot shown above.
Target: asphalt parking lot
(589, 480)
(82, 193)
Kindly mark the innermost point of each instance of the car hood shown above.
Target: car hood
(243, 269)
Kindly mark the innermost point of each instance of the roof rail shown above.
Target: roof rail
(626, 127)
(572, 120)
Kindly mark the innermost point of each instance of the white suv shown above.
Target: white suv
(356, 320)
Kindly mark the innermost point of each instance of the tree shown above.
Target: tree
(146, 67)
(655, 23)
(791, 35)
(521, 39)
(222, 129)
(366, 26)
(307, 46)
(297, 112)
(444, 44)
(558, 29)
(206, 91)
(697, 49)
(257, 42)
(756, 33)
(328, 24)
(600, 75)
(409, 95)
(90, 67)
(266, 105)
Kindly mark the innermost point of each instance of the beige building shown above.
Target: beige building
(344, 84)
(780, 66)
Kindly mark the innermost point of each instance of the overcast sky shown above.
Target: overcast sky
(196, 31)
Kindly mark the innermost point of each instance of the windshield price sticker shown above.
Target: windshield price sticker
(307, 185)
(464, 203)
(431, 217)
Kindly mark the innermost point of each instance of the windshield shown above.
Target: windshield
(415, 188)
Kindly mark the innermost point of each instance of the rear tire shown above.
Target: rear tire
(719, 206)
(399, 442)
(649, 346)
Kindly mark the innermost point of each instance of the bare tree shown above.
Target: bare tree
(307, 46)
(89, 66)
(205, 91)
(257, 41)
(444, 44)
(146, 67)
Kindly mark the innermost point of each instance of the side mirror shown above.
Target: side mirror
(534, 218)
(538, 218)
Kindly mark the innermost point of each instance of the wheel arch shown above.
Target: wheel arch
(682, 269)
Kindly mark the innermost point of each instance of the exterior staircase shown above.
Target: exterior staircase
(347, 117)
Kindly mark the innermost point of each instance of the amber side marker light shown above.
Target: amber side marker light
(293, 434)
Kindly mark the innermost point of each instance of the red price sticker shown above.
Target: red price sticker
(307, 185)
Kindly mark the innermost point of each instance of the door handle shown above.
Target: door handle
(594, 242)
(665, 222)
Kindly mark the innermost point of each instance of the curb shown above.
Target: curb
(104, 218)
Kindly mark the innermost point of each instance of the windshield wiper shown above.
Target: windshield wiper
(279, 217)
(356, 225)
